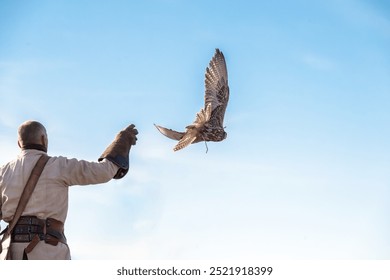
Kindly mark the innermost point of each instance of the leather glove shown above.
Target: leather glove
(118, 151)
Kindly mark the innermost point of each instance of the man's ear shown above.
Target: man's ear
(20, 146)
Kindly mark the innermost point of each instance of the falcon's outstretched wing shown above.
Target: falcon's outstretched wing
(172, 134)
(216, 88)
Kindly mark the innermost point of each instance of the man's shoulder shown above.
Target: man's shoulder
(7, 165)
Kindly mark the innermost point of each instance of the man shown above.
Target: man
(46, 211)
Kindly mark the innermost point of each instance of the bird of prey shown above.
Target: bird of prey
(208, 124)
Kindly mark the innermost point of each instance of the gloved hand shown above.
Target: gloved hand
(118, 151)
(131, 133)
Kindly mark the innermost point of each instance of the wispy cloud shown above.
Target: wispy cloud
(372, 14)
(318, 62)
(18, 97)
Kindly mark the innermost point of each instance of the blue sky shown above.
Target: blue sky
(304, 172)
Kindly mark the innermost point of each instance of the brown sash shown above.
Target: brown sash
(26, 194)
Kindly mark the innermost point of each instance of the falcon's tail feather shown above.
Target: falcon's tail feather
(184, 142)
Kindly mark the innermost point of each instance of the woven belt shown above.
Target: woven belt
(28, 227)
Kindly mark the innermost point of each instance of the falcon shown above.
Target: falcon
(208, 124)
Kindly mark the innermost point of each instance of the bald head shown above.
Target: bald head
(32, 133)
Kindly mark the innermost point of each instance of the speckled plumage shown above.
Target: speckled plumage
(208, 124)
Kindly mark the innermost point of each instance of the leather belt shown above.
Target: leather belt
(28, 227)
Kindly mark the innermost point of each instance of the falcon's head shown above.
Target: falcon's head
(224, 135)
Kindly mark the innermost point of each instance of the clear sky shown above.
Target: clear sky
(304, 171)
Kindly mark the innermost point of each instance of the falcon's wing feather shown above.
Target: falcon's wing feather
(202, 117)
(216, 87)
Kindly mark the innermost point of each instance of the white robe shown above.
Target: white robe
(50, 197)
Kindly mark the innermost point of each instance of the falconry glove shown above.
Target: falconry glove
(118, 151)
